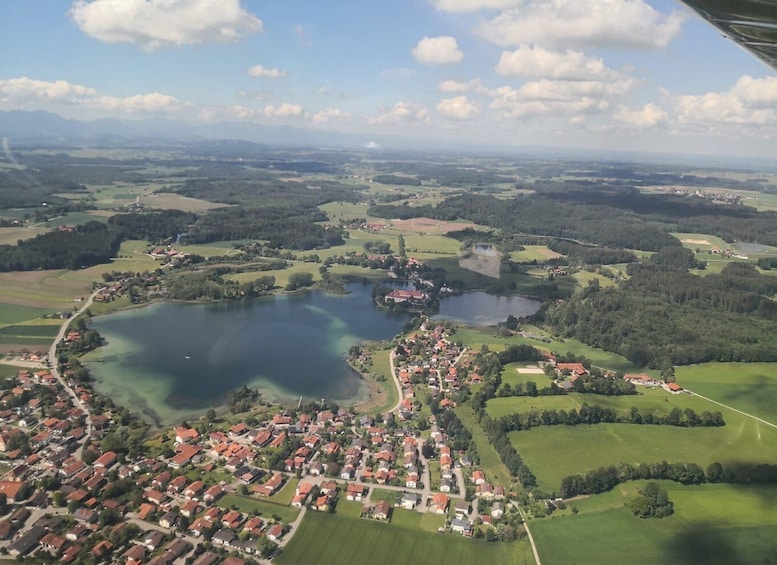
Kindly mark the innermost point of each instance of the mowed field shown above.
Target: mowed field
(539, 253)
(712, 524)
(554, 452)
(750, 387)
(353, 541)
(656, 401)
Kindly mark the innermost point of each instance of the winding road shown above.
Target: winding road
(55, 371)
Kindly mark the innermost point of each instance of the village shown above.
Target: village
(180, 500)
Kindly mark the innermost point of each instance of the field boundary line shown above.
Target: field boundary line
(531, 538)
(756, 418)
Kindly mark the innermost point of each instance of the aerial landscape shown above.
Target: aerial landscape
(476, 299)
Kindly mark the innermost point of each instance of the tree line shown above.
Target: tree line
(687, 418)
(604, 479)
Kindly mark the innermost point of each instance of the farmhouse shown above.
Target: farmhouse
(642, 379)
(673, 388)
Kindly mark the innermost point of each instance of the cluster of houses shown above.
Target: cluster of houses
(568, 373)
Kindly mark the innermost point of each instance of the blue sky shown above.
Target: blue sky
(594, 74)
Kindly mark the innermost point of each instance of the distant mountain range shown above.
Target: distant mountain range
(46, 128)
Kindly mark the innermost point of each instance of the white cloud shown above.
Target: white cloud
(261, 71)
(332, 114)
(24, 92)
(582, 23)
(458, 108)
(455, 86)
(159, 23)
(750, 101)
(402, 112)
(536, 62)
(648, 116)
(442, 50)
(556, 98)
(285, 110)
(461, 6)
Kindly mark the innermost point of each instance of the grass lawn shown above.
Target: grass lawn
(553, 452)
(750, 387)
(490, 463)
(712, 524)
(336, 539)
(286, 494)
(390, 496)
(9, 370)
(348, 508)
(381, 366)
(262, 507)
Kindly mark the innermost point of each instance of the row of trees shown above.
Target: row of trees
(606, 478)
(687, 418)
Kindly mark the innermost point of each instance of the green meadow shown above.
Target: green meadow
(554, 452)
(750, 387)
(711, 525)
(352, 541)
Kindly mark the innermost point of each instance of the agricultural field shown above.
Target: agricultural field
(750, 387)
(337, 539)
(172, 201)
(711, 524)
(9, 236)
(701, 241)
(42, 291)
(554, 452)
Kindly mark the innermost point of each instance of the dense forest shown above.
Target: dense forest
(88, 244)
(663, 315)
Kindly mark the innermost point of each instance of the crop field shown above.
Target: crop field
(46, 291)
(554, 452)
(750, 387)
(336, 539)
(711, 524)
(172, 201)
(9, 236)
(702, 241)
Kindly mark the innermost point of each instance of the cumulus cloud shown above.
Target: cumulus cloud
(648, 116)
(750, 101)
(285, 110)
(402, 112)
(556, 98)
(582, 23)
(458, 108)
(330, 115)
(160, 23)
(24, 92)
(536, 62)
(261, 71)
(442, 50)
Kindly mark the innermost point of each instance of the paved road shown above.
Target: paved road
(54, 371)
(395, 378)
(756, 418)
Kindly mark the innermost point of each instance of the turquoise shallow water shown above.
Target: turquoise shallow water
(172, 361)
